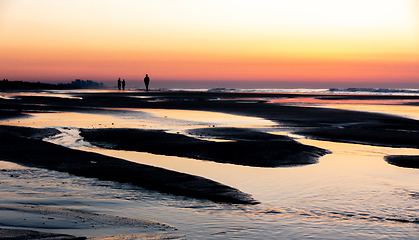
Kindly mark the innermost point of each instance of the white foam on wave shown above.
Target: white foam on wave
(380, 91)
(373, 91)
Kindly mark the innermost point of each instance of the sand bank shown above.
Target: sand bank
(23, 234)
(247, 147)
(45, 217)
(55, 217)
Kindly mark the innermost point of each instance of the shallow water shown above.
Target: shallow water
(341, 197)
(350, 194)
(352, 184)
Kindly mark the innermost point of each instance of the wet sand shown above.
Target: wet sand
(43, 217)
(23, 234)
(318, 123)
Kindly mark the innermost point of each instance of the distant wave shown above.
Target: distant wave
(378, 91)
(374, 90)
(222, 90)
(267, 90)
(381, 91)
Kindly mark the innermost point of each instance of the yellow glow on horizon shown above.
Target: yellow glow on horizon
(189, 37)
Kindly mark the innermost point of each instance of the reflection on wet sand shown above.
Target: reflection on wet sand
(63, 119)
(344, 158)
(353, 179)
(211, 117)
(127, 118)
(13, 95)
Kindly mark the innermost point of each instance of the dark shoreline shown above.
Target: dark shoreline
(23, 234)
(61, 218)
(396, 138)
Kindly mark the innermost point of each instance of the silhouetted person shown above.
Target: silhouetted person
(146, 81)
(123, 84)
(119, 83)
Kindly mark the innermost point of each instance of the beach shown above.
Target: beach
(209, 164)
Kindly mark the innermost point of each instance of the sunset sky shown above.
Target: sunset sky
(280, 43)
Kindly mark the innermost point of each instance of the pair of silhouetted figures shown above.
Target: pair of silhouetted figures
(122, 84)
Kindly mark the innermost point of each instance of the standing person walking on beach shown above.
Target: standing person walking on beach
(123, 84)
(146, 81)
(119, 83)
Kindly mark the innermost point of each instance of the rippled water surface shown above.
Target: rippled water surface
(350, 194)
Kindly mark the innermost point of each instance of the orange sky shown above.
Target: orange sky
(347, 42)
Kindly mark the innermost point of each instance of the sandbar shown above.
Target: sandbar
(247, 147)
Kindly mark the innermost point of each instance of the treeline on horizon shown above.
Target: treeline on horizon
(76, 84)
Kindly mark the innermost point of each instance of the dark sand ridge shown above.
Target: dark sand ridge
(10, 114)
(38, 153)
(365, 135)
(249, 148)
(77, 219)
(63, 218)
(412, 103)
(23, 234)
(408, 161)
